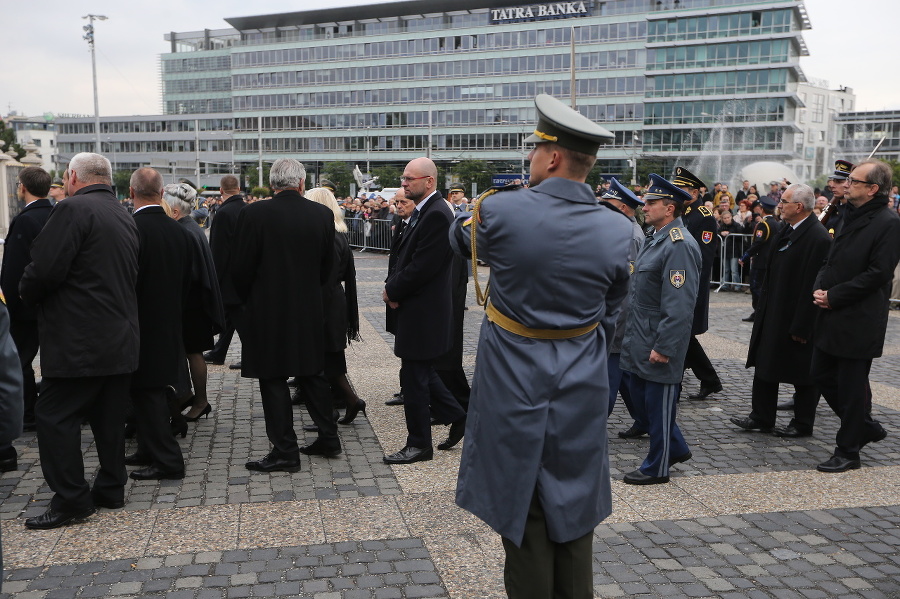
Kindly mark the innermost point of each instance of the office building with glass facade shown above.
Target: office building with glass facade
(675, 80)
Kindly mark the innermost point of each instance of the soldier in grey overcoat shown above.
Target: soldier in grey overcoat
(661, 309)
(535, 465)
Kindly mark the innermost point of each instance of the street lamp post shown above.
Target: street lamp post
(89, 36)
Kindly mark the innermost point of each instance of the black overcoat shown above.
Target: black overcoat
(221, 243)
(702, 225)
(390, 317)
(24, 227)
(82, 277)
(280, 263)
(341, 305)
(164, 278)
(857, 276)
(420, 283)
(785, 306)
(204, 312)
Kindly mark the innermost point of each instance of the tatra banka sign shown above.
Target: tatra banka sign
(536, 12)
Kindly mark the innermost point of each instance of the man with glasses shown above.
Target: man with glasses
(780, 345)
(420, 294)
(852, 292)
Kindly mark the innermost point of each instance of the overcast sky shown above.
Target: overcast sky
(46, 65)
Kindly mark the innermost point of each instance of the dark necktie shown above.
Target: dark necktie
(413, 218)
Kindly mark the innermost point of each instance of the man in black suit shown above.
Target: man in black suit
(34, 184)
(853, 291)
(404, 210)
(164, 274)
(221, 243)
(419, 291)
(10, 393)
(82, 276)
(282, 257)
(781, 344)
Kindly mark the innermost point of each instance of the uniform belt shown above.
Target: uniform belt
(508, 324)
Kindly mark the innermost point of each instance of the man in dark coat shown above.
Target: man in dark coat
(419, 291)
(34, 184)
(701, 223)
(405, 208)
(282, 259)
(853, 291)
(164, 275)
(764, 232)
(221, 243)
(11, 407)
(781, 343)
(82, 276)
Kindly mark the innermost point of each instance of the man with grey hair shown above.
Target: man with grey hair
(282, 257)
(82, 277)
(852, 292)
(781, 343)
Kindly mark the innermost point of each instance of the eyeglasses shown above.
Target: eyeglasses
(783, 201)
(406, 179)
(852, 181)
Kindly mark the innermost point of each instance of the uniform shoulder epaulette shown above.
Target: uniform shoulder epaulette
(704, 211)
(675, 234)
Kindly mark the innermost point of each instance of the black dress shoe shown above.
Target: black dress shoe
(235, 366)
(29, 426)
(632, 433)
(790, 431)
(137, 459)
(156, 473)
(785, 405)
(311, 428)
(639, 478)
(410, 454)
(706, 390)
(838, 464)
(749, 424)
(680, 459)
(317, 448)
(53, 519)
(396, 401)
(879, 435)
(749, 318)
(211, 358)
(457, 430)
(109, 504)
(274, 463)
(9, 464)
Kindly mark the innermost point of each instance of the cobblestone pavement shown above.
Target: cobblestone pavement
(747, 517)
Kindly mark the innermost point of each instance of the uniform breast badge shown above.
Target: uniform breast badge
(677, 277)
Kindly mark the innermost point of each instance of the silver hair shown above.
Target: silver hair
(91, 168)
(326, 198)
(804, 194)
(180, 196)
(286, 173)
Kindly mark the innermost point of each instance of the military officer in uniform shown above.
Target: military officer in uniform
(661, 309)
(764, 231)
(535, 465)
(457, 198)
(839, 184)
(622, 199)
(700, 223)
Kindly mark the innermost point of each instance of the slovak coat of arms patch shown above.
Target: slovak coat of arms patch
(707, 236)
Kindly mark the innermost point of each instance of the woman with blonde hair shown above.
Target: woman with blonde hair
(341, 311)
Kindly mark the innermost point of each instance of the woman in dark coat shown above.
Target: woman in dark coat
(341, 311)
(204, 316)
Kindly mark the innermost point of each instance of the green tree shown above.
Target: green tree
(260, 192)
(473, 171)
(121, 181)
(8, 135)
(339, 173)
(895, 166)
(250, 174)
(388, 176)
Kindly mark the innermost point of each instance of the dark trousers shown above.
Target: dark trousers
(620, 383)
(220, 349)
(659, 401)
(279, 415)
(154, 435)
(421, 388)
(757, 275)
(844, 383)
(542, 569)
(765, 404)
(24, 334)
(456, 382)
(61, 407)
(697, 361)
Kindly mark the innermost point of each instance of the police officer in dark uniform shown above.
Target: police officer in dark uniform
(701, 224)
(839, 184)
(765, 230)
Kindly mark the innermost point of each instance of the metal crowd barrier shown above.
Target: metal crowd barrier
(369, 234)
(727, 273)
